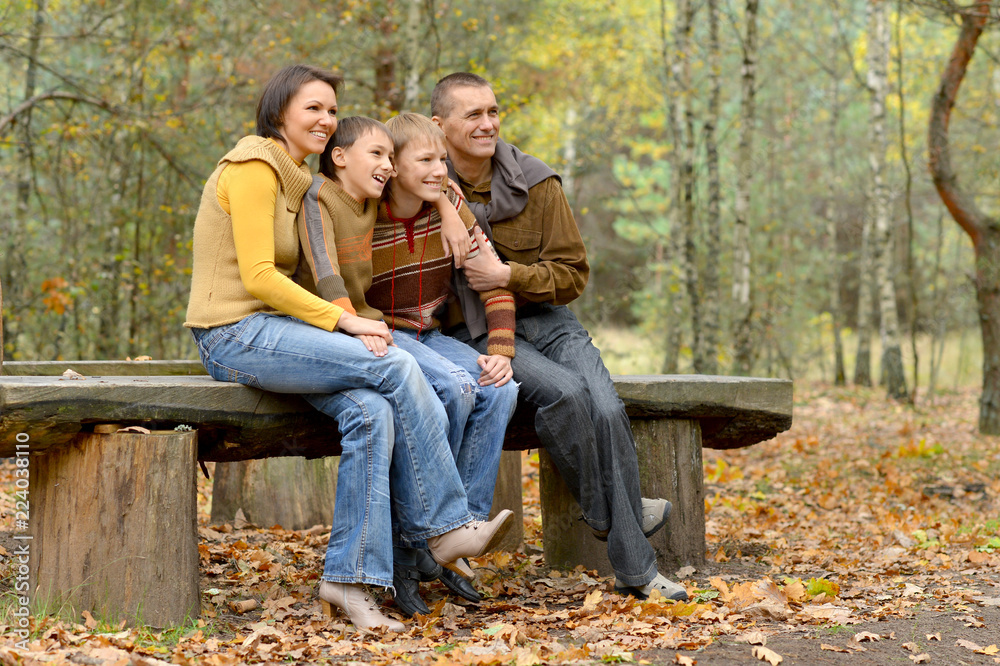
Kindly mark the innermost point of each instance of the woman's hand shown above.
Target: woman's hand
(454, 236)
(374, 343)
(496, 370)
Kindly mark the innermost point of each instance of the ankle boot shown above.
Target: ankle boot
(470, 540)
(359, 607)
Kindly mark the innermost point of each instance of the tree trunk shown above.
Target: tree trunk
(713, 236)
(911, 277)
(742, 302)
(114, 526)
(984, 232)
(15, 264)
(684, 148)
(411, 37)
(878, 79)
(839, 376)
(862, 361)
(293, 492)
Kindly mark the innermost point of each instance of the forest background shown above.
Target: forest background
(722, 159)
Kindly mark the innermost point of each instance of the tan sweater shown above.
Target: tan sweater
(246, 244)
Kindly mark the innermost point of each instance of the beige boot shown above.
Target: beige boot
(362, 610)
(470, 540)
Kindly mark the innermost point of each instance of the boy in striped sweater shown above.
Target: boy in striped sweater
(411, 278)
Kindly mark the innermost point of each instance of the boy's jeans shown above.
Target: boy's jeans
(386, 412)
(477, 415)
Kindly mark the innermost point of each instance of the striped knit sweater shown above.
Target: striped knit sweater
(411, 276)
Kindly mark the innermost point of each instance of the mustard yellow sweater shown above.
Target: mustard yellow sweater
(246, 244)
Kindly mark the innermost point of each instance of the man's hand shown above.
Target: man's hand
(485, 271)
(496, 370)
(375, 334)
(454, 236)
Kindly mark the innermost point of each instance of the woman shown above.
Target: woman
(255, 326)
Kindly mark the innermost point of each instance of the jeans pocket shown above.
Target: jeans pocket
(223, 373)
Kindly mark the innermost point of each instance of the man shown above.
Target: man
(581, 421)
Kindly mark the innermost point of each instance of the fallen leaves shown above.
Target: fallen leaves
(765, 654)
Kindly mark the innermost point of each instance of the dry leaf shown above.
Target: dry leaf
(89, 620)
(240, 520)
(684, 661)
(834, 648)
(685, 572)
(933, 637)
(862, 636)
(138, 429)
(592, 599)
(72, 374)
(912, 647)
(752, 638)
(766, 654)
(975, 647)
(922, 658)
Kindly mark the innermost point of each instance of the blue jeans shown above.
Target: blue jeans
(582, 423)
(477, 415)
(393, 432)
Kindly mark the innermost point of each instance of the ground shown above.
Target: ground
(867, 534)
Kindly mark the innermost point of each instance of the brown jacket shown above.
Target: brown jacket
(542, 245)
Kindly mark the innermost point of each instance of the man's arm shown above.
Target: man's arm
(544, 249)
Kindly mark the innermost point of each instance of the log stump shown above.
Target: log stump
(670, 466)
(292, 492)
(114, 527)
(507, 495)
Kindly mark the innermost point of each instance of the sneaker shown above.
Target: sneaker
(655, 513)
(667, 589)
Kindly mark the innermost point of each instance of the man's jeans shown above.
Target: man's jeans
(385, 411)
(477, 415)
(581, 421)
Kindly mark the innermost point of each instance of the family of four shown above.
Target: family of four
(341, 286)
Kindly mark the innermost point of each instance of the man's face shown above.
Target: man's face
(472, 125)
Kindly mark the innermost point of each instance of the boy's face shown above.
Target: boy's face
(364, 167)
(421, 168)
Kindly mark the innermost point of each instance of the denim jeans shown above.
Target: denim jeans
(477, 415)
(393, 433)
(582, 423)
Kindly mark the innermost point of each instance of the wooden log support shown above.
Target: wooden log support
(114, 527)
(507, 495)
(294, 493)
(669, 467)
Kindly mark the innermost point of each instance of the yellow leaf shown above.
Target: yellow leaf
(682, 660)
(592, 599)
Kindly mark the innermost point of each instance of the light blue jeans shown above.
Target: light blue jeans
(477, 415)
(393, 432)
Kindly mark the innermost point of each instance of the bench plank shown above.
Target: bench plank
(236, 422)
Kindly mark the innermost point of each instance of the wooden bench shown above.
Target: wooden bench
(113, 515)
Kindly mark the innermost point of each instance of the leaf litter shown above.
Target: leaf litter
(838, 522)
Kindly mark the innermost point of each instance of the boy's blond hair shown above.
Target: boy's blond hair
(407, 127)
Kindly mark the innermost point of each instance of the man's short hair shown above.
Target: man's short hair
(441, 99)
(348, 131)
(408, 127)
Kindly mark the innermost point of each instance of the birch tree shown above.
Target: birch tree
(878, 83)
(710, 324)
(742, 301)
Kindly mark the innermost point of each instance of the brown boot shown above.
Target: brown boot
(470, 540)
(362, 610)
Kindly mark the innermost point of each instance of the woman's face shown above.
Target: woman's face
(310, 119)
(421, 168)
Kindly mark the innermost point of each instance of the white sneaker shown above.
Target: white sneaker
(667, 589)
(655, 513)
